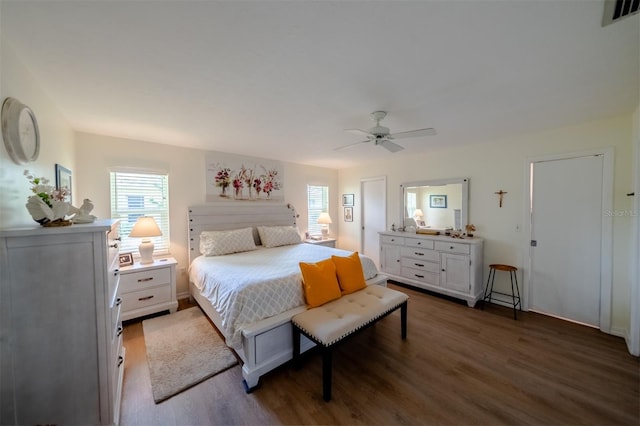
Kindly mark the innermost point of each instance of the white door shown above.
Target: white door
(374, 211)
(566, 233)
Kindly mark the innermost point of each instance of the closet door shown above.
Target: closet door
(566, 233)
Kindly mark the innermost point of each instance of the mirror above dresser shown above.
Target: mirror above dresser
(435, 204)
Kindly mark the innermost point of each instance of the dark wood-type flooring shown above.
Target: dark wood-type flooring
(458, 366)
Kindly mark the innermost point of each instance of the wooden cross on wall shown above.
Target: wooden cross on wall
(501, 194)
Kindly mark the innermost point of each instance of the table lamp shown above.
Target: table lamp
(145, 228)
(418, 214)
(324, 219)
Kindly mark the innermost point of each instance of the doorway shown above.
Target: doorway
(374, 215)
(570, 244)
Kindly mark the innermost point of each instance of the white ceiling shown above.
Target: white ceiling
(283, 79)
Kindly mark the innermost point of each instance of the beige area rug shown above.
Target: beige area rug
(183, 349)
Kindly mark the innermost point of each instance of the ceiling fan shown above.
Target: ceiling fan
(381, 135)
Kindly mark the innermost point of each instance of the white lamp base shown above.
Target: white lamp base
(146, 252)
(325, 231)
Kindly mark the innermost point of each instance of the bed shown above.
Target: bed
(260, 333)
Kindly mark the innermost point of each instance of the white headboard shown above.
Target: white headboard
(218, 217)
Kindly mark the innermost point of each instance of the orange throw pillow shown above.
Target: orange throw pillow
(350, 274)
(320, 282)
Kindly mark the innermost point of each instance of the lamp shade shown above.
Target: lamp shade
(418, 213)
(145, 226)
(324, 219)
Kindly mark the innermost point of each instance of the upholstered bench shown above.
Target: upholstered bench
(333, 322)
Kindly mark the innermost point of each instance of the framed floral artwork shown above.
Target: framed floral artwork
(232, 178)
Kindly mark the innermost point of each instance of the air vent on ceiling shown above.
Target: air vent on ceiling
(614, 10)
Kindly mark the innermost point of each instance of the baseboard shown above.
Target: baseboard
(183, 295)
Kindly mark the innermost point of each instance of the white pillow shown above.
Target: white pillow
(217, 243)
(275, 236)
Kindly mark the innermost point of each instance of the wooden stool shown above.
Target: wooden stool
(489, 292)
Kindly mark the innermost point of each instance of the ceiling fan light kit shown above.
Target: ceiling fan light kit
(383, 137)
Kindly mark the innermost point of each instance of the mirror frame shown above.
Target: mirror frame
(464, 214)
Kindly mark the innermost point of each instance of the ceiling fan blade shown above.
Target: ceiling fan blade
(340, 148)
(358, 132)
(390, 146)
(415, 133)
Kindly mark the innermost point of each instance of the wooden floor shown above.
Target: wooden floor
(458, 366)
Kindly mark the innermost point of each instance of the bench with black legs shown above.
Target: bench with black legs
(333, 322)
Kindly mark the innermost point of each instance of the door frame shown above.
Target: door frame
(606, 244)
(383, 178)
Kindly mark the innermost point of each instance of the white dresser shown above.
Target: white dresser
(61, 354)
(442, 264)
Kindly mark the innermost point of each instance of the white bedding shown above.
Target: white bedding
(250, 286)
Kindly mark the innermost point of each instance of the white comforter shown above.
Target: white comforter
(250, 286)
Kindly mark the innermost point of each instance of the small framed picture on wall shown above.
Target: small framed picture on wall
(347, 199)
(348, 214)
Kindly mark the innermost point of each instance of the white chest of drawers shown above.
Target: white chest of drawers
(147, 289)
(61, 354)
(438, 263)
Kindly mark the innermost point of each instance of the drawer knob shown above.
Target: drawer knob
(451, 247)
(118, 301)
(145, 298)
(419, 276)
(419, 264)
(120, 360)
(392, 240)
(418, 254)
(419, 242)
(114, 245)
(142, 280)
(119, 332)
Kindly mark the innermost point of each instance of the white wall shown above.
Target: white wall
(56, 140)
(501, 165)
(186, 167)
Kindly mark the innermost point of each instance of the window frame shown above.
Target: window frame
(155, 202)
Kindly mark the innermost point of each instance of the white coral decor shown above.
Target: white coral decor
(42, 213)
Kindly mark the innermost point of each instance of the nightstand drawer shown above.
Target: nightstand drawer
(143, 298)
(133, 281)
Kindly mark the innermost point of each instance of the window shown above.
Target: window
(318, 202)
(140, 194)
(411, 204)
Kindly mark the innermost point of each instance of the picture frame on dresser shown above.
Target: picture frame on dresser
(126, 259)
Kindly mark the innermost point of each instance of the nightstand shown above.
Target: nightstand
(329, 242)
(147, 289)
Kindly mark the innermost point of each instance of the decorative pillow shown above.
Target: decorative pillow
(319, 282)
(217, 243)
(275, 236)
(350, 274)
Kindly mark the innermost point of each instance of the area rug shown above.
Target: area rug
(183, 349)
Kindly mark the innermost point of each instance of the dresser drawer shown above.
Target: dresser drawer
(116, 314)
(388, 239)
(420, 264)
(133, 281)
(453, 247)
(420, 253)
(147, 297)
(416, 242)
(432, 278)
